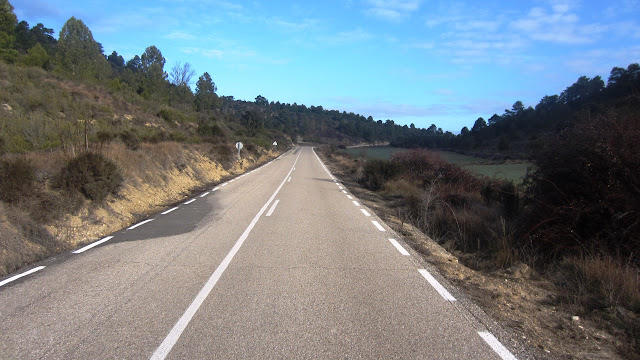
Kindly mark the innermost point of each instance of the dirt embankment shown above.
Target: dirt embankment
(155, 177)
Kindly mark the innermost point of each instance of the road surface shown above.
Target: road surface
(282, 262)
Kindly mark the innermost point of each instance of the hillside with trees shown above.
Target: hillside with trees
(80, 129)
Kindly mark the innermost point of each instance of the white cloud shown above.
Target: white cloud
(347, 37)
(557, 26)
(180, 35)
(391, 10)
(293, 26)
(210, 53)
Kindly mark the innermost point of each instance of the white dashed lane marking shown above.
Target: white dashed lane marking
(168, 211)
(496, 345)
(377, 224)
(436, 285)
(139, 224)
(399, 247)
(16, 277)
(273, 207)
(92, 245)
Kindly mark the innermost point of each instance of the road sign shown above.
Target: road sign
(239, 147)
(275, 143)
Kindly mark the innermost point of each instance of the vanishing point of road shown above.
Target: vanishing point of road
(282, 262)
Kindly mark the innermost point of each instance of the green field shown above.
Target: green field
(374, 152)
(514, 171)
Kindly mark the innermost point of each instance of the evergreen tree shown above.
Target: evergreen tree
(154, 78)
(8, 23)
(206, 98)
(78, 55)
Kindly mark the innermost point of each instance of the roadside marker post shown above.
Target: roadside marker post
(239, 147)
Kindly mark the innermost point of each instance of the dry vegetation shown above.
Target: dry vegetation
(42, 217)
(79, 160)
(575, 304)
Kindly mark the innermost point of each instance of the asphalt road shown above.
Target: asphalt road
(280, 263)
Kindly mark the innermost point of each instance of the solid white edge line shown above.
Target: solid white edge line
(502, 351)
(189, 202)
(168, 211)
(289, 179)
(16, 277)
(139, 224)
(93, 244)
(356, 203)
(377, 224)
(365, 212)
(399, 247)
(436, 285)
(205, 194)
(273, 207)
(172, 338)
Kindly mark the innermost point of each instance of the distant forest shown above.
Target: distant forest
(76, 56)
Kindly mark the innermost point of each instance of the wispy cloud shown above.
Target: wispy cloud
(384, 109)
(293, 26)
(244, 56)
(559, 25)
(210, 53)
(346, 37)
(180, 35)
(391, 10)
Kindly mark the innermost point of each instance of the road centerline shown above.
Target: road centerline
(172, 338)
(273, 207)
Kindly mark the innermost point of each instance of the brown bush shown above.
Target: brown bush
(426, 166)
(585, 192)
(92, 174)
(17, 177)
(376, 173)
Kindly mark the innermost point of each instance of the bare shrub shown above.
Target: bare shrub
(93, 175)
(17, 178)
(585, 191)
(377, 172)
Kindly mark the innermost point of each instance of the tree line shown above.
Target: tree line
(76, 55)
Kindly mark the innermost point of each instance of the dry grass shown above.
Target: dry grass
(155, 175)
(600, 282)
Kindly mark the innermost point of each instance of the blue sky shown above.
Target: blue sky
(413, 61)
